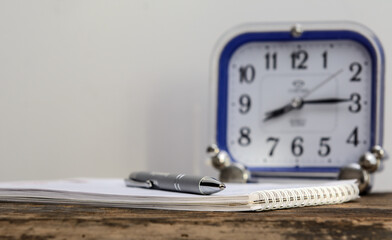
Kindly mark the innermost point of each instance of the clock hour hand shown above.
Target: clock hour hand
(294, 104)
(277, 112)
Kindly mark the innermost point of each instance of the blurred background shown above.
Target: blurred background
(103, 88)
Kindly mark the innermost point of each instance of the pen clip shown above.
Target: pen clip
(135, 183)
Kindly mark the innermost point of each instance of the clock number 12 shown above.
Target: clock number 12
(298, 59)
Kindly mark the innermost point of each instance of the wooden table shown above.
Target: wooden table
(367, 218)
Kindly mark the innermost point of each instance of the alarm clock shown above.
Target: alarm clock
(296, 99)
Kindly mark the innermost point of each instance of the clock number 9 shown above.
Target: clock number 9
(296, 146)
(247, 74)
(356, 107)
(244, 139)
(245, 103)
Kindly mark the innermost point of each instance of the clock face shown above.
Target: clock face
(299, 104)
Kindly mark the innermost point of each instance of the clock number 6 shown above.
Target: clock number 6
(247, 74)
(325, 149)
(296, 146)
(244, 139)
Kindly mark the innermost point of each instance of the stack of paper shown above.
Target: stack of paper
(236, 197)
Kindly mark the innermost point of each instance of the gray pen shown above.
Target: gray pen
(175, 182)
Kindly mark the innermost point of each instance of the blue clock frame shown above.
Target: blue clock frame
(239, 40)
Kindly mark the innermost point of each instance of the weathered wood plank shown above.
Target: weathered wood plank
(367, 218)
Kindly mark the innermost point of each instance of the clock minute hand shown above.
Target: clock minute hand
(326, 101)
(297, 103)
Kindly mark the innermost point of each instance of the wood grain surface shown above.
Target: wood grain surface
(367, 218)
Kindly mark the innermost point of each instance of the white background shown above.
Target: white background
(103, 88)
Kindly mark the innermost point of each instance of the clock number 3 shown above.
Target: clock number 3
(356, 106)
(244, 139)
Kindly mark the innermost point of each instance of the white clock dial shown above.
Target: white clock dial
(331, 128)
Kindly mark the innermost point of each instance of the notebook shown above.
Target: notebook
(236, 197)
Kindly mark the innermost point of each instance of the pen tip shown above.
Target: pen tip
(222, 186)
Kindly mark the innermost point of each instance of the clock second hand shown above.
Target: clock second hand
(322, 83)
(298, 102)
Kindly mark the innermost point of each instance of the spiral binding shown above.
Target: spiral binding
(307, 196)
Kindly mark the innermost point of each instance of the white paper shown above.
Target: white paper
(114, 192)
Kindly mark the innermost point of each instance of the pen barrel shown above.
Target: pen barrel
(172, 182)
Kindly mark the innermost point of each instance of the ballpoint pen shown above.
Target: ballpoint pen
(175, 182)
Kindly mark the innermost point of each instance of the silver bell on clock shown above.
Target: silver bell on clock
(298, 100)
